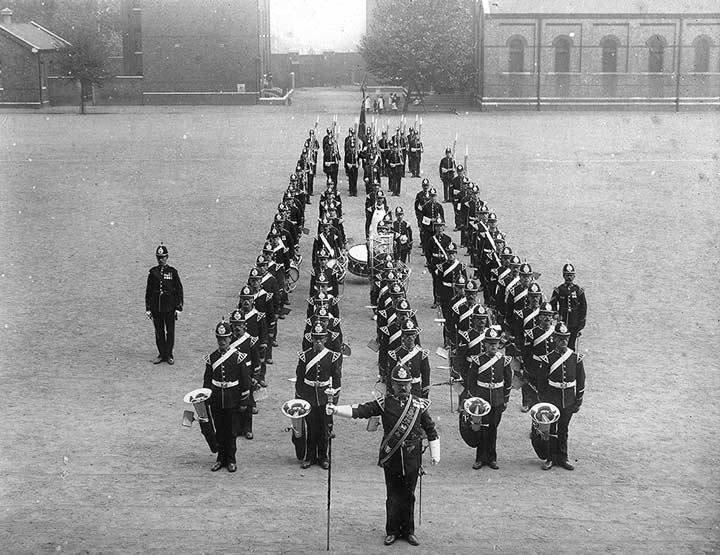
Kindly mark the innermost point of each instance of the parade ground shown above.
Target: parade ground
(93, 457)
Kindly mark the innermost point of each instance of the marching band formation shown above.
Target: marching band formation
(498, 330)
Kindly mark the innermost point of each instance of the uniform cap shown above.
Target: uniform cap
(432, 192)
(492, 217)
(246, 293)
(525, 269)
(323, 253)
(568, 269)
(515, 261)
(460, 167)
(479, 312)
(409, 328)
(507, 251)
(282, 207)
(321, 279)
(267, 247)
(561, 330)
(425, 181)
(448, 150)
(293, 177)
(223, 329)
(484, 209)
(546, 308)
(499, 238)
(237, 316)
(254, 274)
(321, 313)
(399, 210)
(460, 280)
(261, 261)
(452, 247)
(439, 221)
(492, 335)
(161, 251)
(534, 289)
(324, 221)
(397, 290)
(403, 306)
(389, 276)
(401, 374)
(319, 330)
(472, 286)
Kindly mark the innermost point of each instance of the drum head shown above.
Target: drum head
(358, 253)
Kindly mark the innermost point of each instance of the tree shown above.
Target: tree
(93, 27)
(85, 62)
(419, 41)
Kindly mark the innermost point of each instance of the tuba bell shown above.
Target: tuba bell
(296, 410)
(471, 419)
(544, 416)
(197, 399)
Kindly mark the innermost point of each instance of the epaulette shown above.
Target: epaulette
(385, 330)
(474, 358)
(580, 357)
(393, 355)
(425, 353)
(301, 355)
(528, 333)
(308, 336)
(206, 359)
(544, 358)
(464, 334)
(380, 400)
(336, 356)
(508, 360)
(424, 403)
(260, 315)
(253, 340)
(581, 290)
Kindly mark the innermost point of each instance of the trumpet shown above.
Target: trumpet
(197, 399)
(544, 415)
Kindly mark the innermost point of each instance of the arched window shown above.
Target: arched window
(562, 54)
(702, 54)
(609, 46)
(656, 45)
(516, 60)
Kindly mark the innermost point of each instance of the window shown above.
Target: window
(516, 61)
(562, 54)
(702, 54)
(656, 46)
(609, 46)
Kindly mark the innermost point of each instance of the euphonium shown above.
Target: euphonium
(197, 398)
(296, 410)
(475, 408)
(544, 415)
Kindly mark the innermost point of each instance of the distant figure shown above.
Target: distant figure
(380, 104)
(393, 102)
(163, 303)
(368, 104)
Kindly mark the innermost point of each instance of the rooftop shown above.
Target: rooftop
(634, 7)
(34, 36)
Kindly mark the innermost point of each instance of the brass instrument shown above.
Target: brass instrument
(471, 419)
(197, 399)
(296, 410)
(544, 417)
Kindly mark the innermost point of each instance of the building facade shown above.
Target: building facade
(589, 53)
(28, 57)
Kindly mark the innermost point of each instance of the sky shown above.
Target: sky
(316, 25)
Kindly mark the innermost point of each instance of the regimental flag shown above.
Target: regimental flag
(362, 131)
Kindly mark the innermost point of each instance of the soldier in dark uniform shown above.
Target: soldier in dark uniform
(246, 344)
(436, 254)
(312, 146)
(383, 146)
(352, 161)
(447, 173)
(537, 344)
(413, 357)
(163, 304)
(331, 157)
(446, 273)
(395, 167)
(404, 417)
(568, 299)
(403, 238)
(470, 342)
(489, 377)
(562, 383)
(228, 376)
(318, 369)
(415, 149)
(431, 211)
(421, 198)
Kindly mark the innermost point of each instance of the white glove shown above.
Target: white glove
(177, 314)
(148, 314)
(435, 451)
(340, 410)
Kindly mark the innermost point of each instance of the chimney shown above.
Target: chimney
(6, 16)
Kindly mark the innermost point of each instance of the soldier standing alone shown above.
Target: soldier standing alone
(163, 304)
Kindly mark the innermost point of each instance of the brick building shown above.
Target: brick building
(28, 56)
(329, 69)
(590, 53)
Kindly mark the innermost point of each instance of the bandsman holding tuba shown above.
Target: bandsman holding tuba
(490, 378)
(562, 383)
(228, 376)
(404, 418)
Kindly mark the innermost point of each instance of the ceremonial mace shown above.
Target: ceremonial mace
(330, 392)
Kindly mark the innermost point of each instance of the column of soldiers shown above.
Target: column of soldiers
(237, 370)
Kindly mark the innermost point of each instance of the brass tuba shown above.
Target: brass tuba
(296, 410)
(197, 399)
(471, 418)
(544, 416)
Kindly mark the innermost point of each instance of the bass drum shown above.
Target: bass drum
(357, 261)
